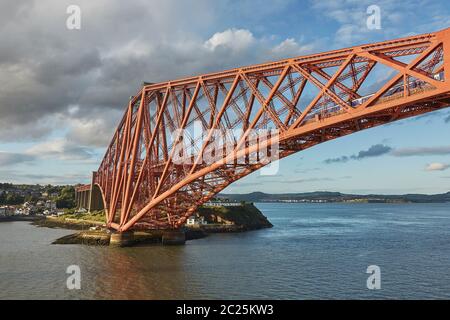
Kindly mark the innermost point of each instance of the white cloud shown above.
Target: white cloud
(93, 131)
(61, 149)
(236, 40)
(291, 48)
(437, 166)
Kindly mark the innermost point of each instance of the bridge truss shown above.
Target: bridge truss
(307, 100)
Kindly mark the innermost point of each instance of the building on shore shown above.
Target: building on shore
(196, 221)
(50, 205)
(6, 211)
(222, 204)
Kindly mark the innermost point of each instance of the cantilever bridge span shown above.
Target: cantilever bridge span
(308, 100)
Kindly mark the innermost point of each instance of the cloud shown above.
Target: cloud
(66, 91)
(437, 166)
(94, 131)
(374, 151)
(421, 151)
(7, 159)
(46, 69)
(236, 40)
(291, 48)
(43, 178)
(337, 160)
(60, 149)
(351, 18)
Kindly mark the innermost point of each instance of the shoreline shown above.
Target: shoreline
(21, 218)
(63, 223)
(86, 236)
(92, 231)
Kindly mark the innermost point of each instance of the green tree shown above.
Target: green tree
(2, 198)
(14, 199)
(66, 198)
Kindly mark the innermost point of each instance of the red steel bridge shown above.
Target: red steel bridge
(308, 100)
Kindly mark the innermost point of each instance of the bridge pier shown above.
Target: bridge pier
(89, 197)
(127, 239)
(173, 237)
(121, 239)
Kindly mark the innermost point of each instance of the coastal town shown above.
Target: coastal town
(35, 200)
(55, 206)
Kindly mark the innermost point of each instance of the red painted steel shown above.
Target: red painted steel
(143, 187)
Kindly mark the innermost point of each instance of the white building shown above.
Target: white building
(50, 205)
(6, 211)
(222, 204)
(196, 221)
(190, 221)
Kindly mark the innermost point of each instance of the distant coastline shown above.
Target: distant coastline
(335, 197)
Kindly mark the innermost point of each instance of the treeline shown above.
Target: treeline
(66, 198)
(11, 199)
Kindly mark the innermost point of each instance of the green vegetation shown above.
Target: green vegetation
(66, 198)
(11, 199)
(97, 216)
(73, 221)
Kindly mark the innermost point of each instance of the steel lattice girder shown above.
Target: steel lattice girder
(143, 187)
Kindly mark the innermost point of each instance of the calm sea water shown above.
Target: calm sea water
(314, 251)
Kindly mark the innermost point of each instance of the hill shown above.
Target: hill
(326, 196)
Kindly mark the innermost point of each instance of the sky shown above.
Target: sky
(62, 91)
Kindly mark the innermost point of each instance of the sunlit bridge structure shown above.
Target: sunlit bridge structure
(309, 100)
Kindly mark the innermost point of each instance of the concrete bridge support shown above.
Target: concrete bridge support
(121, 239)
(82, 199)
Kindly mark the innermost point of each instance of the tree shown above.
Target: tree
(13, 199)
(66, 198)
(2, 198)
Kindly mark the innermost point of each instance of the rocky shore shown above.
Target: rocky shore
(220, 219)
(103, 237)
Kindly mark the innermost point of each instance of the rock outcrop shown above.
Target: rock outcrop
(233, 218)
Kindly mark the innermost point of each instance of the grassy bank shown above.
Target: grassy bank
(73, 221)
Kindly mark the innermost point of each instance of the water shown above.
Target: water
(314, 251)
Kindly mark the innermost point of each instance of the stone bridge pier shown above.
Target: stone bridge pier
(89, 196)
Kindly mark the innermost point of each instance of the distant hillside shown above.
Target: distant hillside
(324, 196)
